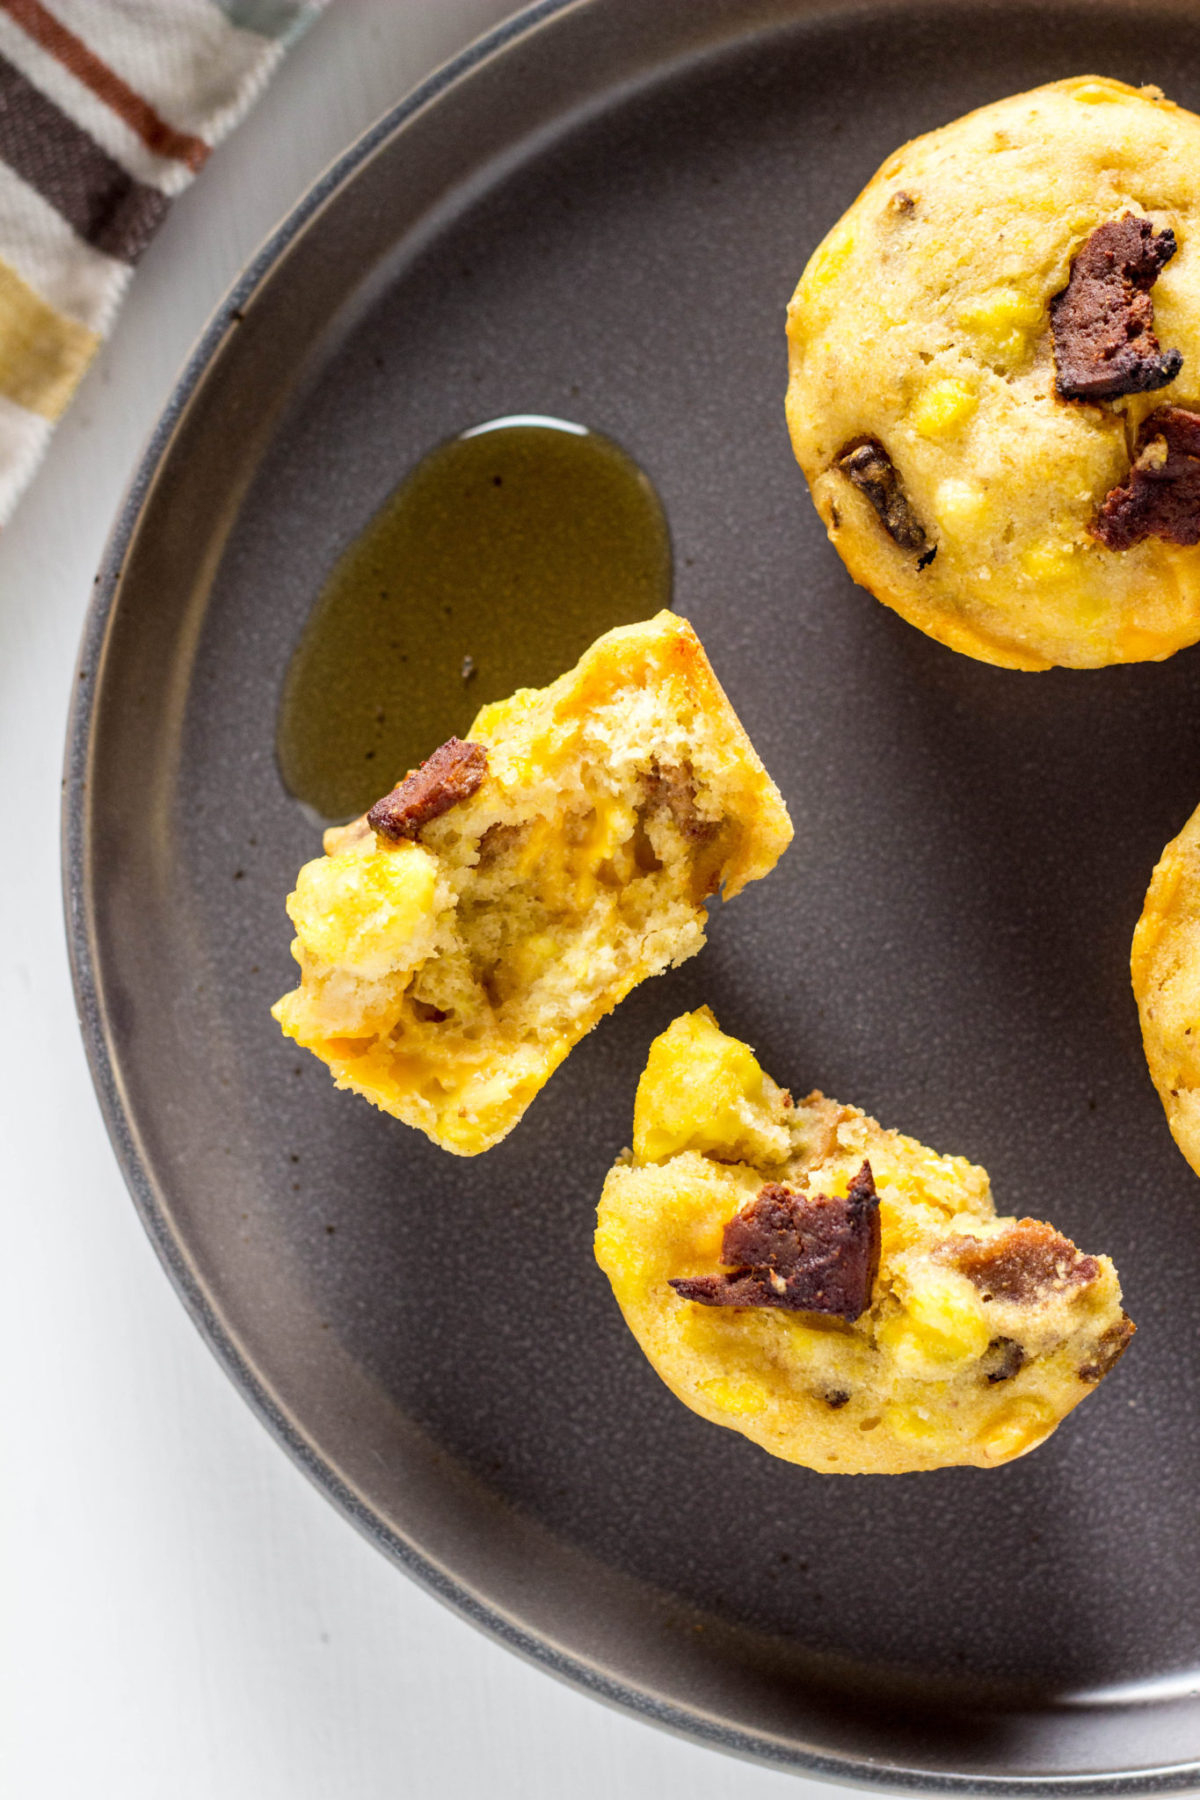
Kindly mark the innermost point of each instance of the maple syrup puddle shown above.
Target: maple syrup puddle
(493, 566)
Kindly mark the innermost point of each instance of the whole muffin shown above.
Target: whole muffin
(994, 382)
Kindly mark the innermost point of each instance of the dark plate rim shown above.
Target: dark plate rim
(77, 868)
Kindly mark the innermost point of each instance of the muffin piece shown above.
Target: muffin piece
(1165, 965)
(457, 941)
(838, 1293)
(995, 379)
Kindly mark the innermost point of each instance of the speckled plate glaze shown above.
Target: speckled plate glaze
(600, 212)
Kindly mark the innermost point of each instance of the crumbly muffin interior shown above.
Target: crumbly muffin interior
(980, 1334)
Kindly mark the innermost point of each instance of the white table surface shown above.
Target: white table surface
(181, 1614)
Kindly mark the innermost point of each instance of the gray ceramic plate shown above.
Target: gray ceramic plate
(600, 212)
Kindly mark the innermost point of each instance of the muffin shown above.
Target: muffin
(839, 1294)
(994, 382)
(458, 940)
(1165, 965)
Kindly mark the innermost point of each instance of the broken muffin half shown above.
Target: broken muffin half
(457, 941)
(836, 1292)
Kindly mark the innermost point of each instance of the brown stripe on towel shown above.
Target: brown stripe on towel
(104, 204)
(82, 62)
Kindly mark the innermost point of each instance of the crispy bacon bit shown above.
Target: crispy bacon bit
(803, 1254)
(1110, 1349)
(1103, 320)
(674, 787)
(1029, 1263)
(873, 473)
(452, 773)
(1162, 495)
(496, 841)
(1003, 1359)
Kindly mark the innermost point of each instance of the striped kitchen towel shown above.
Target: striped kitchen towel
(107, 110)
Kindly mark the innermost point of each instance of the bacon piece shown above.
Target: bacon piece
(871, 469)
(1161, 498)
(803, 1254)
(453, 773)
(1003, 1359)
(1110, 1348)
(1028, 1263)
(1103, 320)
(674, 787)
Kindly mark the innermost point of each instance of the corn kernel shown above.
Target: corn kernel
(1003, 310)
(693, 1089)
(739, 1397)
(1051, 560)
(938, 1326)
(1003, 319)
(806, 1344)
(943, 407)
(827, 261)
(959, 504)
(950, 1320)
(913, 1422)
(533, 955)
(366, 912)
(1017, 1428)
